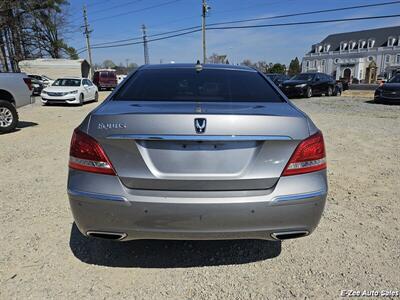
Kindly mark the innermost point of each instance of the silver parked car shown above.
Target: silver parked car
(197, 152)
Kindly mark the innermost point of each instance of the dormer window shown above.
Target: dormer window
(361, 44)
(343, 46)
(327, 47)
(391, 41)
(318, 48)
(371, 43)
(352, 45)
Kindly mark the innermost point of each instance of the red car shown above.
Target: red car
(105, 79)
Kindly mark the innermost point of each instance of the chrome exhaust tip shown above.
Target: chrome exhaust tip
(289, 234)
(106, 235)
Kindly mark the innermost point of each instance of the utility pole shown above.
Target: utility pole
(204, 10)
(145, 46)
(87, 34)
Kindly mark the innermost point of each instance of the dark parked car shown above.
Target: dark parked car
(105, 79)
(389, 92)
(277, 78)
(37, 87)
(309, 84)
(43, 80)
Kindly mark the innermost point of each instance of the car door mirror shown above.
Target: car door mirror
(86, 85)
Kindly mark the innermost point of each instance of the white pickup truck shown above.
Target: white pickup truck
(15, 91)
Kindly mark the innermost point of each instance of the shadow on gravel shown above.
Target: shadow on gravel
(55, 104)
(24, 124)
(20, 125)
(380, 103)
(170, 254)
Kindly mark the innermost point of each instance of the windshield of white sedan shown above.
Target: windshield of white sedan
(186, 84)
(67, 82)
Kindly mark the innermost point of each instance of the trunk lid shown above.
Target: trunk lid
(154, 145)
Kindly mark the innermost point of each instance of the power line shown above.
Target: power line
(305, 22)
(253, 19)
(141, 42)
(136, 10)
(308, 13)
(151, 35)
(115, 6)
(250, 6)
(251, 26)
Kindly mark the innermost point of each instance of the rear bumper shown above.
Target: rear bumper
(295, 204)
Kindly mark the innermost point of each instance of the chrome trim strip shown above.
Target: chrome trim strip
(199, 137)
(97, 196)
(304, 196)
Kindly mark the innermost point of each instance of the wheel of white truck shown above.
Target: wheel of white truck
(8, 117)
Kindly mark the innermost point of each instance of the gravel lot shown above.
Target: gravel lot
(355, 247)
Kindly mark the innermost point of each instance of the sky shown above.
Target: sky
(113, 20)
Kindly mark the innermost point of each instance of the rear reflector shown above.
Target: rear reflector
(309, 156)
(87, 155)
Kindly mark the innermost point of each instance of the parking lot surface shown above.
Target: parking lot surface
(355, 247)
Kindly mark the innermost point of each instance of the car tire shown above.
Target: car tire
(309, 92)
(80, 99)
(8, 117)
(96, 97)
(330, 92)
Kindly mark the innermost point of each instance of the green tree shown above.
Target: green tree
(294, 67)
(32, 29)
(277, 68)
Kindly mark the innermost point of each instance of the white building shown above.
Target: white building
(361, 55)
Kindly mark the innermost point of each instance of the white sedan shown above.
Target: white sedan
(71, 91)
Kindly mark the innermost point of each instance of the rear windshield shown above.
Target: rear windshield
(189, 85)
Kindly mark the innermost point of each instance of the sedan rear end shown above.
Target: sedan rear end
(197, 152)
(389, 92)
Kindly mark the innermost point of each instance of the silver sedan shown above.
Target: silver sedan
(191, 151)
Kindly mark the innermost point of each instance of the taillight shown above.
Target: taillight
(309, 156)
(28, 82)
(87, 155)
